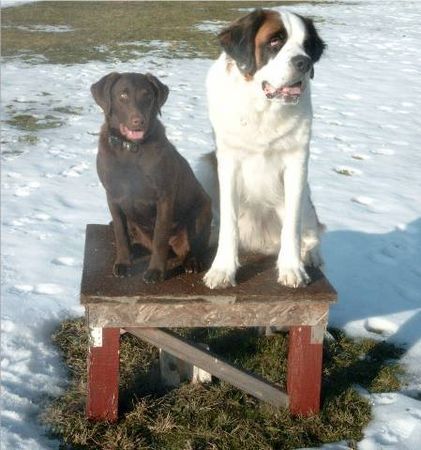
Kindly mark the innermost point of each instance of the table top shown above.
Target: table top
(256, 279)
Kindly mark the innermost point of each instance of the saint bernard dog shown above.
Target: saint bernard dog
(260, 109)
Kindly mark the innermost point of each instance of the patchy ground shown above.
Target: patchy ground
(218, 416)
(364, 175)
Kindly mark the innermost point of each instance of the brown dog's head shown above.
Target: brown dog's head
(131, 102)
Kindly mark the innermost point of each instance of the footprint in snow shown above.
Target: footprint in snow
(76, 170)
(21, 221)
(383, 151)
(7, 326)
(27, 189)
(385, 399)
(379, 325)
(359, 156)
(14, 175)
(31, 219)
(352, 96)
(48, 289)
(415, 412)
(386, 108)
(382, 258)
(41, 217)
(65, 261)
(23, 288)
(362, 200)
(347, 171)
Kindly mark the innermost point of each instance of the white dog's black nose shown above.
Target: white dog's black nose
(301, 63)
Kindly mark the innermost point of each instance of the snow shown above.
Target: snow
(396, 424)
(364, 175)
(9, 3)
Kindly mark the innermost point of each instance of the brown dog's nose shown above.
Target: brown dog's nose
(137, 121)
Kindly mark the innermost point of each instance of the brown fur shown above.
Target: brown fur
(247, 40)
(271, 26)
(154, 198)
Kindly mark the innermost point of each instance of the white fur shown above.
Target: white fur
(262, 153)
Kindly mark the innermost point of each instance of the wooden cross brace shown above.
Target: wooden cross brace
(113, 305)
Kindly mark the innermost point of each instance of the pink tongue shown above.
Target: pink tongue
(292, 90)
(295, 89)
(132, 135)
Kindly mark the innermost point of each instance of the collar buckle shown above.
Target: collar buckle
(132, 147)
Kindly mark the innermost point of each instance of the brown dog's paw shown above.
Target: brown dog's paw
(152, 276)
(121, 270)
(192, 265)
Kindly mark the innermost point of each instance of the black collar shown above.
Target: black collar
(133, 147)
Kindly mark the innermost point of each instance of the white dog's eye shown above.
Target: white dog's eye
(276, 42)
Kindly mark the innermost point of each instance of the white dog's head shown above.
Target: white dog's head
(278, 50)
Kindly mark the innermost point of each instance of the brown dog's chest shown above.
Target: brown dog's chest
(128, 185)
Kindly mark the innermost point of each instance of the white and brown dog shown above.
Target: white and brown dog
(260, 108)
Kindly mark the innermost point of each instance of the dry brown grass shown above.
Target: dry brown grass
(218, 416)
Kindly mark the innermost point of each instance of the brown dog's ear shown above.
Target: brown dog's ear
(161, 90)
(237, 40)
(101, 91)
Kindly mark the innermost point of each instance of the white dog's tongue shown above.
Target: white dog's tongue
(295, 89)
(290, 91)
(131, 135)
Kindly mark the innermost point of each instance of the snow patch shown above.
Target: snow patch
(380, 325)
(51, 191)
(48, 289)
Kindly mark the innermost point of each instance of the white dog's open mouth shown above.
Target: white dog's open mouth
(289, 94)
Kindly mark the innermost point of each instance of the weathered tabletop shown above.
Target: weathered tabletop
(184, 300)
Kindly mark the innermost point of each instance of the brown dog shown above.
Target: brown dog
(154, 198)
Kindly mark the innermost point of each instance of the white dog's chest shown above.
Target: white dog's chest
(265, 136)
(259, 180)
(245, 126)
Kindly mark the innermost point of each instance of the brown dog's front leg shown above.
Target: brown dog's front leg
(199, 228)
(123, 258)
(160, 244)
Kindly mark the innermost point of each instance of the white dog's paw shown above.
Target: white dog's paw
(293, 276)
(219, 278)
(313, 258)
(316, 259)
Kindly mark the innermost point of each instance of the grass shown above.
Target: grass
(109, 30)
(29, 122)
(216, 415)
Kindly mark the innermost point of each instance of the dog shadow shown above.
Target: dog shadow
(376, 275)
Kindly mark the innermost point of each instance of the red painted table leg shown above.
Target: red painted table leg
(305, 369)
(103, 374)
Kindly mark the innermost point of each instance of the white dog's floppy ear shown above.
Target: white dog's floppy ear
(313, 44)
(101, 91)
(237, 40)
(161, 90)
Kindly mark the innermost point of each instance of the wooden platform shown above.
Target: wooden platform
(184, 300)
(115, 304)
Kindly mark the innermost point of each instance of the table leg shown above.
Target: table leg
(305, 369)
(103, 374)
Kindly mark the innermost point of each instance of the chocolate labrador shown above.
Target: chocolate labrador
(154, 198)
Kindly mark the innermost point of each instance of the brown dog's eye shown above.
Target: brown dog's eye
(123, 96)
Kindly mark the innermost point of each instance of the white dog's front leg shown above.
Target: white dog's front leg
(290, 267)
(224, 266)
